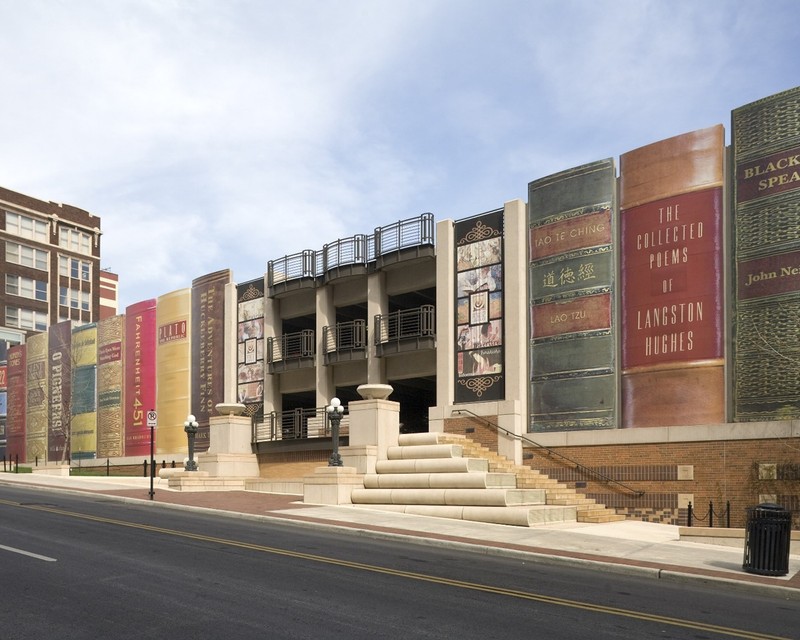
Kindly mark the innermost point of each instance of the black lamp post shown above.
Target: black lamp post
(190, 427)
(335, 411)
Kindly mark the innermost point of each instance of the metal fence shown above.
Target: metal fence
(358, 249)
(297, 424)
(405, 324)
(291, 346)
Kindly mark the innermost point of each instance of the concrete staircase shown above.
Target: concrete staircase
(588, 510)
(450, 476)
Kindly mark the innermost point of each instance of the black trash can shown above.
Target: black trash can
(767, 535)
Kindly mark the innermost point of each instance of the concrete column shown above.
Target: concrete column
(377, 304)
(514, 411)
(272, 329)
(325, 317)
(445, 324)
(230, 382)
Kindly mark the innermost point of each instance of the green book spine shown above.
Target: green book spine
(572, 292)
(766, 289)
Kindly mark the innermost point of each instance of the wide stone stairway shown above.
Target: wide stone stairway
(451, 476)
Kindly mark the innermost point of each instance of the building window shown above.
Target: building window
(74, 298)
(27, 256)
(26, 287)
(26, 319)
(75, 240)
(26, 227)
(74, 268)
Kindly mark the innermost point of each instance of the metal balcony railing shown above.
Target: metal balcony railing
(405, 324)
(291, 346)
(411, 232)
(293, 267)
(346, 251)
(347, 340)
(297, 424)
(357, 250)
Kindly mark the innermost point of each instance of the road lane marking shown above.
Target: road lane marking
(30, 554)
(502, 591)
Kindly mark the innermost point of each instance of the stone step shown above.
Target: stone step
(424, 451)
(432, 465)
(474, 480)
(521, 516)
(460, 497)
(575, 499)
(598, 518)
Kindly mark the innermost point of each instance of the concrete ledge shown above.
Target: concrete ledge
(201, 481)
(461, 497)
(264, 485)
(331, 485)
(53, 470)
(514, 516)
(728, 537)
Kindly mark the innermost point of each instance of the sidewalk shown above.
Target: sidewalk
(633, 547)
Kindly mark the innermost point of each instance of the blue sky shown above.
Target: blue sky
(211, 134)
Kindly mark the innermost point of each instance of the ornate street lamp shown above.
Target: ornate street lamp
(335, 411)
(190, 427)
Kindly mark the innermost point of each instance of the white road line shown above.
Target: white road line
(28, 553)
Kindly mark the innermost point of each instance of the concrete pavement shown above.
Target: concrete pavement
(648, 549)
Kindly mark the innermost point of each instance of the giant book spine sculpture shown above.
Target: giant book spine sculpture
(572, 291)
(766, 206)
(671, 243)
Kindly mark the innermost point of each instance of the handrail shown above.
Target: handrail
(407, 323)
(345, 336)
(553, 452)
(296, 424)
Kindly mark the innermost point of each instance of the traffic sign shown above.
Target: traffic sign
(152, 418)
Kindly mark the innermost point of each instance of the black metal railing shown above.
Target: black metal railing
(405, 324)
(345, 336)
(297, 424)
(355, 250)
(574, 463)
(293, 267)
(290, 346)
(410, 232)
(709, 516)
(346, 251)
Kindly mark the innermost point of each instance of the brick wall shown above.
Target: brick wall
(743, 473)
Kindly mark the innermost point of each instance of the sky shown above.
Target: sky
(221, 134)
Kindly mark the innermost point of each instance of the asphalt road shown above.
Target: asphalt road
(75, 567)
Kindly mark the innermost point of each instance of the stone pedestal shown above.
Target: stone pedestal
(229, 451)
(374, 427)
(362, 457)
(331, 485)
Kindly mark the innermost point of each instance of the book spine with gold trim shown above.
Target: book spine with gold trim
(17, 384)
(110, 333)
(672, 284)
(572, 289)
(766, 210)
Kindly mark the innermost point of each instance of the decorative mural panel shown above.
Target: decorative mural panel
(250, 344)
(479, 353)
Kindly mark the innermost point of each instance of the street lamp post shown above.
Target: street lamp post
(190, 427)
(335, 411)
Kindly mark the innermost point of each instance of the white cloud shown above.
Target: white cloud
(213, 134)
